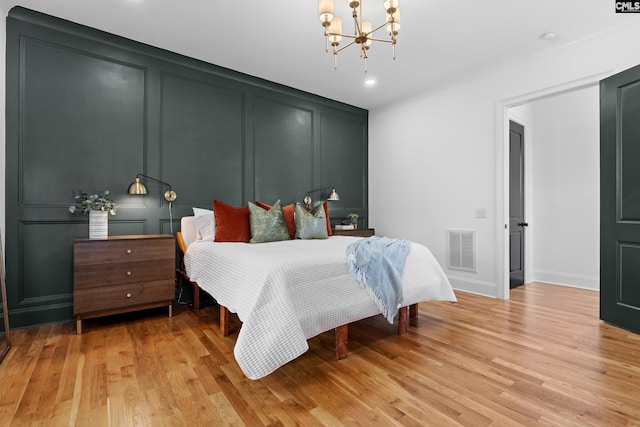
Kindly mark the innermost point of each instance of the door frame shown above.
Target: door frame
(502, 171)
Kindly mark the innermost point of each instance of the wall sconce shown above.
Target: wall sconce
(333, 196)
(137, 187)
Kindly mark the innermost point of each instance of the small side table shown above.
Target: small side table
(358, 232)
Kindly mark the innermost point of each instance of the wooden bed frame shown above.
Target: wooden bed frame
(342, 332)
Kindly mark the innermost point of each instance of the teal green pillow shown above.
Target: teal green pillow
(310, 224)
(267, 225)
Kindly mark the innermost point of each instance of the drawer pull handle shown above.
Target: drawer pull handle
(128, 295)
(128, 251)
(128, 273)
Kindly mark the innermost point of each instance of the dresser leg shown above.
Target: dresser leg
(78, 326)
(170, 310)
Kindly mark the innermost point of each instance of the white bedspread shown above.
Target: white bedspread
(287, 292)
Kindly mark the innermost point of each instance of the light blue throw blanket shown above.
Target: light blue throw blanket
(378, 263)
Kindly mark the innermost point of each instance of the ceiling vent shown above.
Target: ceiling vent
(462, 249)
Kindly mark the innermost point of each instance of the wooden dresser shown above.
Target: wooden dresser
(122, 273)
(358, 232)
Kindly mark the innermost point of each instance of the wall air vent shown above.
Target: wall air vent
(462, 249)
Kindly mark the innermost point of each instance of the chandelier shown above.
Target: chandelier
(362, 30)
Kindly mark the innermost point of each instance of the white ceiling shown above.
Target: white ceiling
(440, 40)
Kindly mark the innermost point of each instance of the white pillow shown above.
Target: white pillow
(205, 224)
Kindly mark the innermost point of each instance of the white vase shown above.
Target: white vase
(98, 224)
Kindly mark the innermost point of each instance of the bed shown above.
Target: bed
(287, 292)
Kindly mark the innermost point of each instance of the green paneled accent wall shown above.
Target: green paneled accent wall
(87, 110)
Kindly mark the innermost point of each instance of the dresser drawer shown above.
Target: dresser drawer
(121, 296)
(126, 250)
(96, 275)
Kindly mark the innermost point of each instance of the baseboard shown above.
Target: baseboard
(42, 315)
(564, 279)
(478, 287)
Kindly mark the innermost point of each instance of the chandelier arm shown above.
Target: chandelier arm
(356, 28)
(344, 47)
(354, 15)
(379, 27)
(381, 40)
(349, 36)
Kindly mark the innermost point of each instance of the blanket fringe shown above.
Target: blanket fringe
(361, 277)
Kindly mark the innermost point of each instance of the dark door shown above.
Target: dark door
(516, 204)
(620, 199)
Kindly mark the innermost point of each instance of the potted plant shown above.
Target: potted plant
(352, 218)
(98, 206)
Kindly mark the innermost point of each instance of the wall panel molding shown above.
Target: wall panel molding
(88, 110)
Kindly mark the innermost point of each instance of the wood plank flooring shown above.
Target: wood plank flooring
(542, 358)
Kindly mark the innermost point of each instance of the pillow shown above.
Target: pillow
(289, 215)
(267, 225)
(326, 214)
(205, 224)
(310, 224)
(232, 224)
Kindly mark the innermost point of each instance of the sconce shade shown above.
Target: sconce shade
(333, 195)
(137, 187)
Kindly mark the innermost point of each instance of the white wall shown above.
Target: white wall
(566, 184)
(3, 61)
(435, 158)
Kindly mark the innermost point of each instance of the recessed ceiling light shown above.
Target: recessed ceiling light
(549, 36)
(370, 82)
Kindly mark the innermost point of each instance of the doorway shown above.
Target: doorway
(561, 152)
(517, 222)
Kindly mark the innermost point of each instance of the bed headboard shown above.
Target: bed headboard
(188, 230)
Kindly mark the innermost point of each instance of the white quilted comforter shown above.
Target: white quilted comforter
(287, 292)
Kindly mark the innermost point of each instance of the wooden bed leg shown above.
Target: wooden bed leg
(224, 321)
(342, 337)
(196, 296)
(413, 311)
(402, 320)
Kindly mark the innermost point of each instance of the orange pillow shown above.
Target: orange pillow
(288, 217)
(325, 205)
(232, 224)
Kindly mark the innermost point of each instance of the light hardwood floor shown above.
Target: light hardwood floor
(542, 358)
